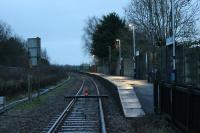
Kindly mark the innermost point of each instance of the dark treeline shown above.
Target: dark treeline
(13, 53)
(12, 48)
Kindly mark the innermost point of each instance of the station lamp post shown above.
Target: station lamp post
(174, 44)
(120, 56)
(109, 57)
(171, 40)
(134, 50)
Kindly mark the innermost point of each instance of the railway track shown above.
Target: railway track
(83, 114)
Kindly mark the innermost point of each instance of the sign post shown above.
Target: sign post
(169, 41)
(137, 53)
(2, 101)
(34, 49)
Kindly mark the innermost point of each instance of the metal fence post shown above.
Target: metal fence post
(171, 100)
(155, 96)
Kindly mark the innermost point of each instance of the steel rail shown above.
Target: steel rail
(64, 113)
(102, 120)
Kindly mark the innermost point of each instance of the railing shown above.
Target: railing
(180, 103)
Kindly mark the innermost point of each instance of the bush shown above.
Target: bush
(13, 81)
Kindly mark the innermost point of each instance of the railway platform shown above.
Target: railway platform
(132, 93)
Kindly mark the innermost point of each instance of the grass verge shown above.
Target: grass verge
(43, 98)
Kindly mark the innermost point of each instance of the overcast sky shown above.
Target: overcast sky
(59, 23)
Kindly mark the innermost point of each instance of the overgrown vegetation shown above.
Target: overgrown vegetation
(43, 99)
(154, 124)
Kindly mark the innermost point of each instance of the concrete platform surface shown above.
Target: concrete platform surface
(144, 91)
(126, 88)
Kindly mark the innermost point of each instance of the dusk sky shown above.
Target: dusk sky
(59, 23)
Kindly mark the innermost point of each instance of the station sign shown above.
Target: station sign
(169, 41)
(2, 100)
(137, 53)
(34, 48)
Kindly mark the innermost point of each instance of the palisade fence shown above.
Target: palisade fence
(187, 64)
(180, 101)
(143, 65)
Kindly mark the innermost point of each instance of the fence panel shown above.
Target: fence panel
(180, 106)
(194, 112)
(181, 103)
(165, 98)
(187, 64)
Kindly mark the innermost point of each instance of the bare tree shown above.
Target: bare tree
(154, 18)
(44, 54)
(89, 30)
(44, 57)
(5, 31)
